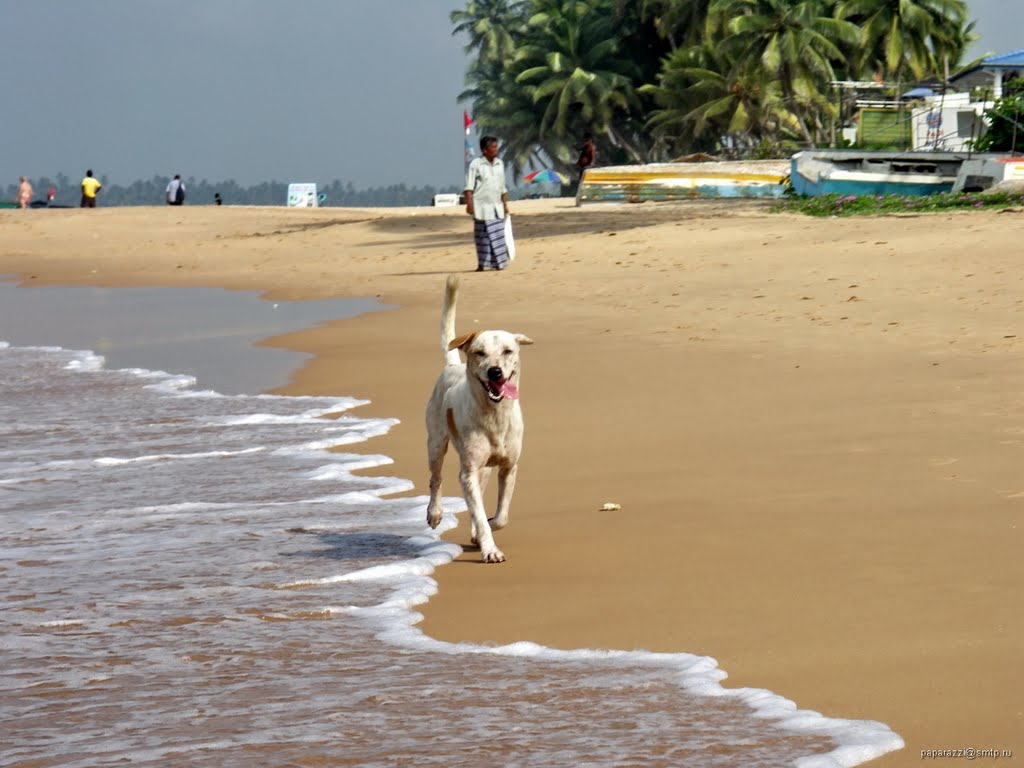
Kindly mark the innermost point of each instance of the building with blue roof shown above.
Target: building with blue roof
(993, 70)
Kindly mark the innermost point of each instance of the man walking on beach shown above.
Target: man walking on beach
(90, 187)
(176, 191)
(487, 203)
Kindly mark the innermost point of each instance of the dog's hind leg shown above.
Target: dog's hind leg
(437, 446)
(506, 485)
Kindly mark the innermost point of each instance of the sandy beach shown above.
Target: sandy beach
(813, 427)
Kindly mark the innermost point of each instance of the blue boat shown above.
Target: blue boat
(874, 172)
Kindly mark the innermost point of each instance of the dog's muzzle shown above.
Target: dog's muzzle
(498, 387)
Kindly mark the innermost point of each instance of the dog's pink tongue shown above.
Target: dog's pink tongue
(509, 390)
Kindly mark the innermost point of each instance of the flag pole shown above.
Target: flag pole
(467, 124)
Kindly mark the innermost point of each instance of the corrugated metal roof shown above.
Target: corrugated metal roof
(1013, 60)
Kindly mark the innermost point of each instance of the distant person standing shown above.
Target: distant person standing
(216, 199)
(176, 191)
(24, 192)
(588, 154)
(90, 188)
(487, 203)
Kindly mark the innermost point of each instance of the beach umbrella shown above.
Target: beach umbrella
(546, 175)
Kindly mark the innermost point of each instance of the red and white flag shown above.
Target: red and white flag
(468, 123)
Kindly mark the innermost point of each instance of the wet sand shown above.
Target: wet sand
(813, 427)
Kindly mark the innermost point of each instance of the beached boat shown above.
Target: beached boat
(867, 172)
(682, 181)
(986, 171)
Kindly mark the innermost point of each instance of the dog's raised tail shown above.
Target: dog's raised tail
(451, 290)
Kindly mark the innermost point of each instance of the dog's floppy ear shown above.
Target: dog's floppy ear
(461, 341)
(522, 339)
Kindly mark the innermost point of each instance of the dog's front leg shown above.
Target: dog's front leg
(470, 480)
(436, 449)
(483, 475)
(506, 485)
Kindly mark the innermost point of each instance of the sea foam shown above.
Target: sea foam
(204, 579)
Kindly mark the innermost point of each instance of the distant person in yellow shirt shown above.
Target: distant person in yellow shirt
(90, 187)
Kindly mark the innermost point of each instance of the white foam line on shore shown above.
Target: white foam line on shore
(859, 740)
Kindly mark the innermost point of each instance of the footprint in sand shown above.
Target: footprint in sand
(942, 461)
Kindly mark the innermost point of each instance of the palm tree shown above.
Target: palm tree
(910, 39)
(696, 100)
(502, 107)
(490, 26)
(681, 22)
(794, 42)
(571, 67)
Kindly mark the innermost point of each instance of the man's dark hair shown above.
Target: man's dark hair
(486, 141)
(587, 136)
(89, 172)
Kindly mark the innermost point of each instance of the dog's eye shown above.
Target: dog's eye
(507, 352)
(479, 353)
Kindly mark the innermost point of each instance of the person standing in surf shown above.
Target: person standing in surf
(24, 192)
(487, 203)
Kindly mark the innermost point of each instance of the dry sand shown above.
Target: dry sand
(814, 427)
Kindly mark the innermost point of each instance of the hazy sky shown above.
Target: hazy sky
(292, 90)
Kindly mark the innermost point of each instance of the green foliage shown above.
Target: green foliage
(1006, 128)
(658, 78)
(908, 39)
(796, 43)
(567, 67)
(874, 205)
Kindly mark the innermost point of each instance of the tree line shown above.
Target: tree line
(656, 79)
(201, 192)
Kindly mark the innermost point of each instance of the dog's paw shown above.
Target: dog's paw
(494, 556)
(434, 517)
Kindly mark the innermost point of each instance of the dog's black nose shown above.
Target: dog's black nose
(494, 374)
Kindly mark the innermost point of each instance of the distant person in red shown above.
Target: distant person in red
(588, 154)
(50, 194)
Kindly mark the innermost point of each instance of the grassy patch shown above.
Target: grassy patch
(873, 205)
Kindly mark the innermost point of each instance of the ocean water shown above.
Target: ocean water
(207, 333)
(191, 578)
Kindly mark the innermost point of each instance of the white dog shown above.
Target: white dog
(475, 405)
